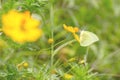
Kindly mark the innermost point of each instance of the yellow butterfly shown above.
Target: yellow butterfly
(87, 38)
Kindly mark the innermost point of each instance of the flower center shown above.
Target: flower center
(22, 27)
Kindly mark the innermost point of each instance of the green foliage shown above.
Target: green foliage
(99, 16)
(34, 6)
(81, 72)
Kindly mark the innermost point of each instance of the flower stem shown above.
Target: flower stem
(60, 47)
(86, 55)
(52, 31)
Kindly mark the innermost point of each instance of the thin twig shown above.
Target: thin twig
(60, 47)
(105, 74)
(112, 54)
(86, 55)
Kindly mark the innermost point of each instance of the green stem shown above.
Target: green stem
(86, 55)
(60, 47)
(52, 35)
(52, 24)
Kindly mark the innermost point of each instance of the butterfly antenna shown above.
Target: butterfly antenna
(83, 28)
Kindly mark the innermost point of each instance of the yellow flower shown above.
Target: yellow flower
(69, 28)
(22, 64)
(21, 27)
(50, 40)
(25, 65)
(76, 37)
(68, 76)
(73, 31)
(82, 61)
(76, 29)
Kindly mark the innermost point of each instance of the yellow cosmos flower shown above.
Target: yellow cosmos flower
(68, 76)
(76, 37)
(21, 27)
(70, 28)
(76, 29)
(73, 31)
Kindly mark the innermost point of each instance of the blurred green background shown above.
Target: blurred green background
(99, 16)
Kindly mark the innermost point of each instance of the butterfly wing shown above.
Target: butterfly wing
(87, 38)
